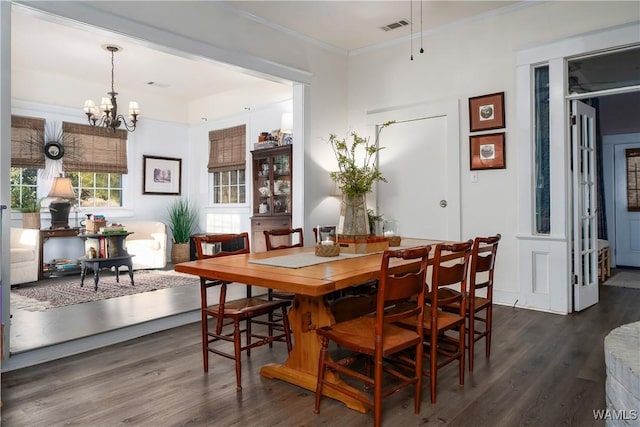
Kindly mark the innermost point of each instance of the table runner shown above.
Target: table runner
(300, 260)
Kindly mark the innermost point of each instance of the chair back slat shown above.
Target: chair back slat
(450, 266)
(222, 244)
(281, 235)
(401, 296)
(483, 260)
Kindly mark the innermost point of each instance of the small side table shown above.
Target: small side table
(115, 256)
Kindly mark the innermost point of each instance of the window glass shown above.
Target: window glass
(24, 187)
(542, 173)
(97, 189)
(229, 187)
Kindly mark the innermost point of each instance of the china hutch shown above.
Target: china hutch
(272, 192)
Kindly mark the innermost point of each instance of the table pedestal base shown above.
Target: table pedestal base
(301, 368)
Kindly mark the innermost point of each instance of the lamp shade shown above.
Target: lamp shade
(62, 188)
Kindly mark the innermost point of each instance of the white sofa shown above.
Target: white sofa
(148, 243)
(24, 255)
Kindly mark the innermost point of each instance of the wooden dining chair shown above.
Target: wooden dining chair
(276, 239)
(444, 331)
(377, 338)
(232, 313)
(483, 260)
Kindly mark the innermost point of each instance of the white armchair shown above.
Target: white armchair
(148, 243)
(24, 255)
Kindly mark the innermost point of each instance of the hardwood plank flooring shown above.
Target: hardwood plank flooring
(545, 370)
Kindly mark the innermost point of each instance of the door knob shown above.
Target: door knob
(443, 203)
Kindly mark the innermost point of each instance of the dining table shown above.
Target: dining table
(311, 278)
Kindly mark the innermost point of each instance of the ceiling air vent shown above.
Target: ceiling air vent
(394, 25)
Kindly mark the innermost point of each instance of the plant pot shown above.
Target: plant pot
(31, 220)
(180, 253)
(354, 220)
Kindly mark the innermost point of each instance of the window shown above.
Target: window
(24, 187)
(97, 189)
(542, 191)
(227, 165)
(229, 187)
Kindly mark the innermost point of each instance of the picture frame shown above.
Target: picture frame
(487, 151)
(486, 112)
(161, 175)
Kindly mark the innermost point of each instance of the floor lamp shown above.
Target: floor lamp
(60, 207)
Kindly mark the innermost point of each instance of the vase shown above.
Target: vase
(354, 220)
(180, 253)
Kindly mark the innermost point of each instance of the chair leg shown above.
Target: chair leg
(487, 350)
(237, 344)
(287, 329)
(324, 351)
(433, 365)
(471, 337)
(205, 341)
(377, 392)
(248, 334)
(461, 344)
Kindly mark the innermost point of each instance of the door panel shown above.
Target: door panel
(627, 226)
(414, 162)
(585, 224)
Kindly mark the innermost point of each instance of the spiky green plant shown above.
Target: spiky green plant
(182, 220)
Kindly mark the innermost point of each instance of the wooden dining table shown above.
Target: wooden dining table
(310, 309)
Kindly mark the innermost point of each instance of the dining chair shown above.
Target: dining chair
(232, 313)
(444, 331)
(377, 338)
(276, 239)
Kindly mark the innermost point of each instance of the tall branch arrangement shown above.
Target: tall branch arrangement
(357, 169)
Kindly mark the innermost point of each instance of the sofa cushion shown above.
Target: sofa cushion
(22, 254)
(143, 244)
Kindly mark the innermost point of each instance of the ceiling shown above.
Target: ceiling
(345, 26)
(339, 25)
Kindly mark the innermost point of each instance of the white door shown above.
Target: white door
(627, 247)
(414, 162)
(585, 224)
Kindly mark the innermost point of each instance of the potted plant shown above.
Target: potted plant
(182, 220)
(356, 174)
(31, 214)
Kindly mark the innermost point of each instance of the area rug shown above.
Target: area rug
(626, 278)
(67, 291)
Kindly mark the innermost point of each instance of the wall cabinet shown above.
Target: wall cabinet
(272, 192)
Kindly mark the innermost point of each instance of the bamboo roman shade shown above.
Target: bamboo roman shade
(227, 149)
(27, 142)
(94, 149)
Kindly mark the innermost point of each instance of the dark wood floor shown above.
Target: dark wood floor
(545, 370)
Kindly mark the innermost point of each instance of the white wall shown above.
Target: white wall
(467, 60)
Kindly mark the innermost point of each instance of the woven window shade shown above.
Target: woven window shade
(94, 149)
(227, 149)
(27, 142)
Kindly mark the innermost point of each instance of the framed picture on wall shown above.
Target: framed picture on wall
(486, 112)
(161, 175)
(487, 151)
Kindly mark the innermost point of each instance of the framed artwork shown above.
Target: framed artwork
(486, 112)
(161, 175)
(487, 151)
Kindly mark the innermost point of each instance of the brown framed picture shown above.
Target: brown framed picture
(161, 175)
(487, 151)
(486, 112)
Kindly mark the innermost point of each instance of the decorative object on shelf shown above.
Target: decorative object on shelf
(62, 191)
(374, 222)
(486, 112)
(487, 151)
(107, 116)
(161, 175)
(356, 174)
(183, 217)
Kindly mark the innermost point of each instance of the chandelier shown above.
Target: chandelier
(107, 116)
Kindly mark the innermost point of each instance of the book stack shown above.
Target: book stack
(113, 229)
